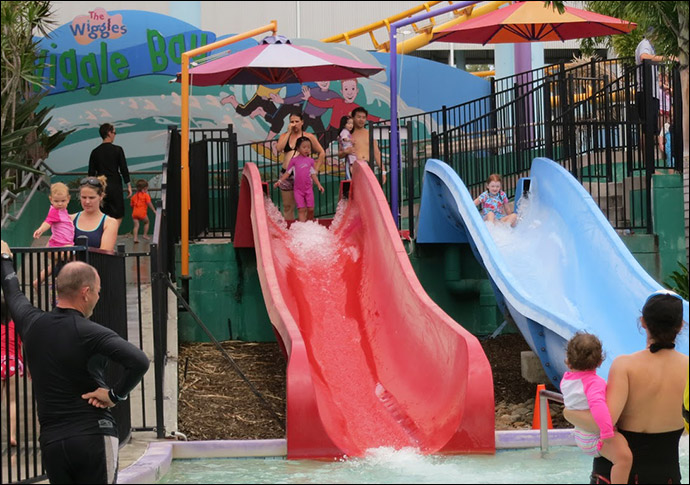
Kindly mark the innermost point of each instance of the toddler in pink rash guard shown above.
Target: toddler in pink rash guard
(583, 389)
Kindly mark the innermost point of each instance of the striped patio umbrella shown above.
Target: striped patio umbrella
(277, 61)
(533, 22)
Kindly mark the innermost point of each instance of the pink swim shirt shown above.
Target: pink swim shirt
(61, 227)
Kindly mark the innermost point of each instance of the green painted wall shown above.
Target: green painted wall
(224, 292)
(454, 279)
(20, 233)
(644, 248)
(669, 226)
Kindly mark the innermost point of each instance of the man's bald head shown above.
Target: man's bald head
(73, 277)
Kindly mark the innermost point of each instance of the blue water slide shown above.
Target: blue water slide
(561, 269)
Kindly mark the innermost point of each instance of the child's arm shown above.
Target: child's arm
(507, 207)
(284, 176)
(316, 181)
(149, 203)
(595, 390)
(41, 229)
(479, 199)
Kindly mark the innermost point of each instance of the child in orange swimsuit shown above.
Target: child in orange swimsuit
(141, 202)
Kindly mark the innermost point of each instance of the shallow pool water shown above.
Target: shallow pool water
(564, 464)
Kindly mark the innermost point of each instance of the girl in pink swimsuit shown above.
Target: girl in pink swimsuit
(583, 389)
(302, 166)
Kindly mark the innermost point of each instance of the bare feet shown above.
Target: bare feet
(13, 441)
(136, 240)
(146, 236)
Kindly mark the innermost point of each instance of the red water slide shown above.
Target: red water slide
(372, 360)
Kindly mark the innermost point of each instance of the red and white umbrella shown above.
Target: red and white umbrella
(277, 61)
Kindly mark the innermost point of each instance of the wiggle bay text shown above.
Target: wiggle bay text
(65, 72)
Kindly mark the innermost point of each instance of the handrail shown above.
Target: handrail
(368, 29)
(424, 34)
(50, 169)
(8, 194)
(544, 397)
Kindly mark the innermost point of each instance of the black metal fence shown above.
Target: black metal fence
(162, 261)
(585, 117)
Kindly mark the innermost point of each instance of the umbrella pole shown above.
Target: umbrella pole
(184, 145)
(393, 79)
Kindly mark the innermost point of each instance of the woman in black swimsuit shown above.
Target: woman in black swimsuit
(644, 393)
(286, 145)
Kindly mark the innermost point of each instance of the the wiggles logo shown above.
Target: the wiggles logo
(97, 25)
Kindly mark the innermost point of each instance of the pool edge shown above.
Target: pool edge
(156, 460)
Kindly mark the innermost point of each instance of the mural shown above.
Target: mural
(117, 67)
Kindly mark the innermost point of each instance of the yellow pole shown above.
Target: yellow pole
(422, 39)
(184, 145)
(377, 25)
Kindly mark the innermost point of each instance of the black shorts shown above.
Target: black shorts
(81, 459)
(653, 117)
(113, 202)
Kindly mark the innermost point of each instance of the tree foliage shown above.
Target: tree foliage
(24, 135)
(669, 21)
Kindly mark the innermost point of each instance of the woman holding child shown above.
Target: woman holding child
(644, 395)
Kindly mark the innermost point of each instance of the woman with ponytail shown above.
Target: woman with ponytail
(644, 393)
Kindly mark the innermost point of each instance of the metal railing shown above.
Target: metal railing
(28, 179)
(584, 117)
(544, 398)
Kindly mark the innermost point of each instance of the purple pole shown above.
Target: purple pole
(395, 189)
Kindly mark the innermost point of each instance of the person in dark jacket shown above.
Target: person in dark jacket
(109, 159)
(67, 355)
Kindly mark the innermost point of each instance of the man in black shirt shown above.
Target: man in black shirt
(109, 159)
(66, 354)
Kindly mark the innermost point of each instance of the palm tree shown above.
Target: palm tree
(24, 139)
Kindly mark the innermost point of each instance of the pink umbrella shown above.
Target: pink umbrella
(277, 61)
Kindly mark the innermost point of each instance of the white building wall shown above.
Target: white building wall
(314, 20)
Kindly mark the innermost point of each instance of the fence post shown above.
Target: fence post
(517, 128)
(446, 141)
(570, 129)
(493, 118)
(233, 180)
(435, 148)
(158, 293)
(648, 88)
(548, 121)
(84, 241)
(629, 115)
(677, 119)
(607, 131)
(372, 160)
(410, 180)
